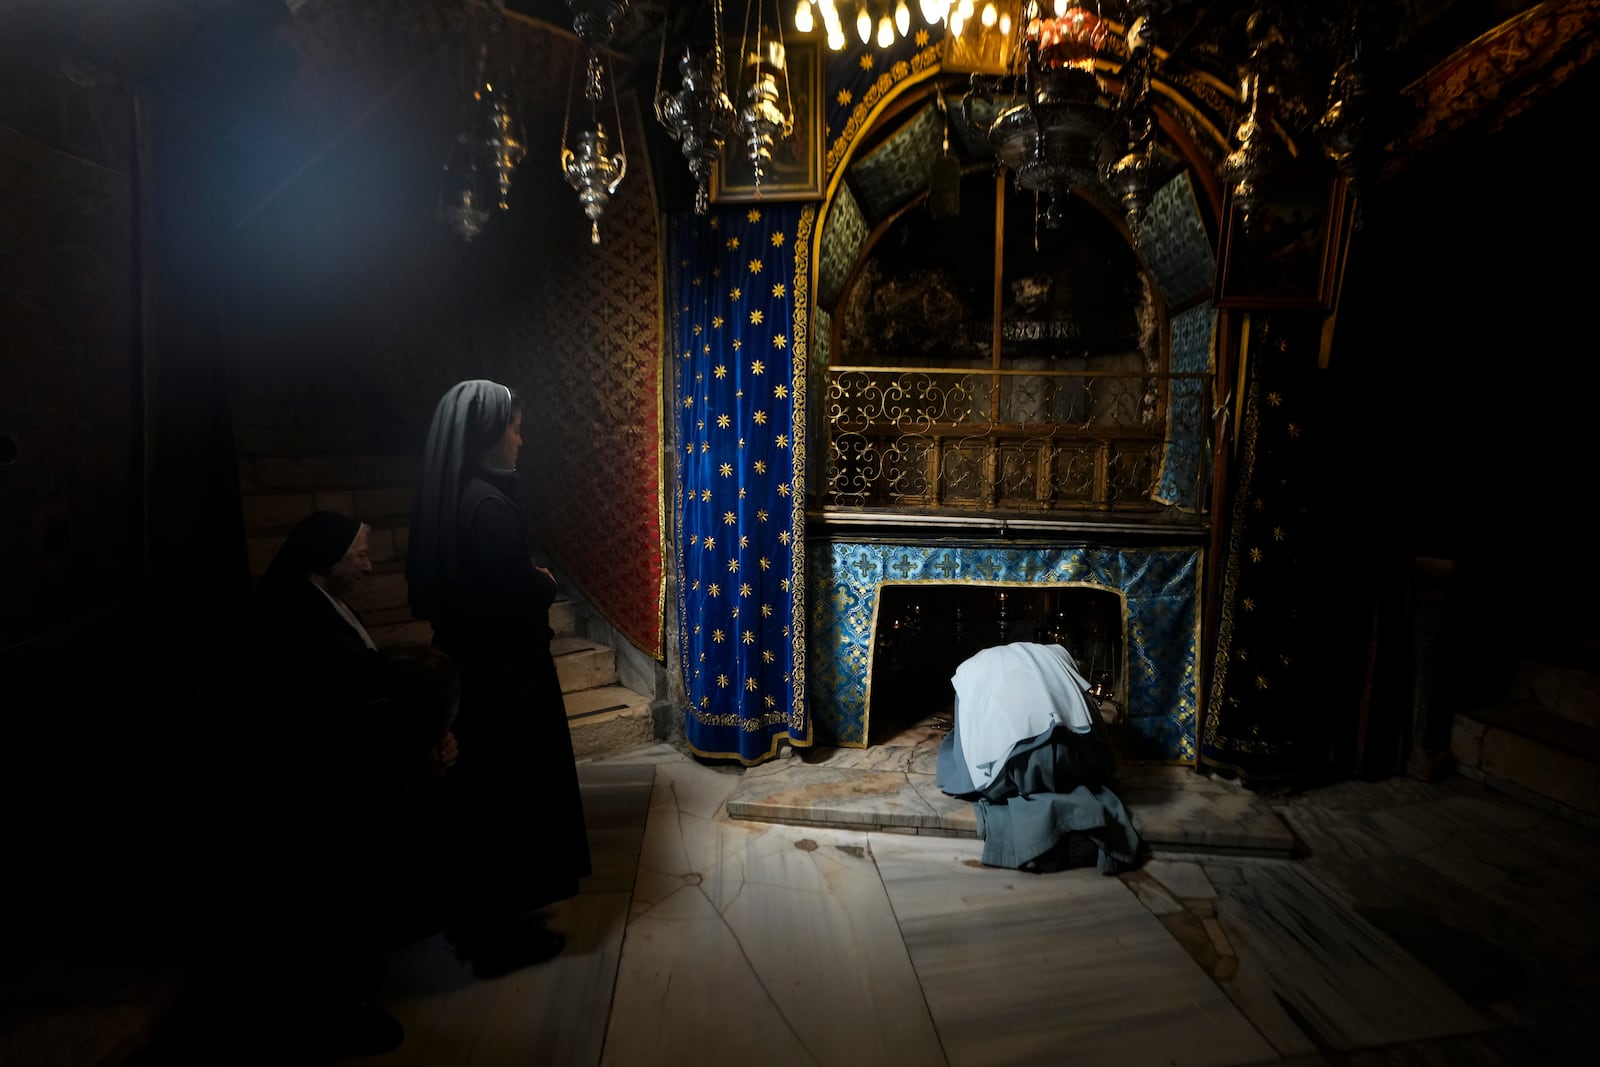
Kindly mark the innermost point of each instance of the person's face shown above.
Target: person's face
(344, 575)
(505, 453)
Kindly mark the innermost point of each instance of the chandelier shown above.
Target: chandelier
(591, 167)
(1307, 74)
(1052, 123)
(1131, 178)
(761, 122)
(883, 22)
(1316, 78)
(699, 116)
(489, 144)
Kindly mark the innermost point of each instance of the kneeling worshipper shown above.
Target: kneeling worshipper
(1032, 753)
(340, 755)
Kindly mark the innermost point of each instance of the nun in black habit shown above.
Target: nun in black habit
(514, 808)
(339, 761)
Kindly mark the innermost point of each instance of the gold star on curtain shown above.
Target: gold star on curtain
(752, 474)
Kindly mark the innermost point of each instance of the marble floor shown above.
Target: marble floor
(1394, 922)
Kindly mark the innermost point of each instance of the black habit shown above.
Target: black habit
(513, 800)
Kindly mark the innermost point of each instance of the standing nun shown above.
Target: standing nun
(513, 797)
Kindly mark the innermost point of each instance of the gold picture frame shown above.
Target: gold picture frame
(796, 169)
(1291, 259)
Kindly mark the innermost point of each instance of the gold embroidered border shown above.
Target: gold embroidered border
(800, 288)
(923, 62)
(663, 431)
(1249, 430)
(1518, 61)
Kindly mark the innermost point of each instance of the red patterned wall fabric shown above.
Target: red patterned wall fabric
(574, 327)
(592, 390)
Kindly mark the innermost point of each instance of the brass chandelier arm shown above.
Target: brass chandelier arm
(622, 149)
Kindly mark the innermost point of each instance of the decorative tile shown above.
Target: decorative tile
(1159, 587)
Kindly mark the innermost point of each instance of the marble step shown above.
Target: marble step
(1531, 753)
(275, 513)
(564, 617)
(608, 719)
(893, 786)
(322, 472)
(583, 664)
(387, 613)
(409, 632)
(380, 591)
(387, 544)
(393, 624)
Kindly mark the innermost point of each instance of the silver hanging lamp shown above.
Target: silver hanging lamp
(591, 167)
(699, 116)
(762, 62)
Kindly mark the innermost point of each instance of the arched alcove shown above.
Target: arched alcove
(982, 376)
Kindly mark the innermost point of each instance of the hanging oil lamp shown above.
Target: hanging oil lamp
(762, 123)
(592, 168)
(699, 115)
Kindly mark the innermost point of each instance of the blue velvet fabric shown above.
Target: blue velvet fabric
(738, 286)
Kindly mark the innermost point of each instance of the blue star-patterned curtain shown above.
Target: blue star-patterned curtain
(738, 327)
(1291, 638)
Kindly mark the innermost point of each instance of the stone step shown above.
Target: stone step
(281, 437)
(564, 617)
(386, 543)
(562, 614)
(378, 592)
(410, 632)
(608, 719)
(583, 664)
(324, 472)
(1569, 690)
(1534, 754)
(390, 616)
(275, 513)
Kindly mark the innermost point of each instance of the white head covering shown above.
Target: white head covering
(1010, 693)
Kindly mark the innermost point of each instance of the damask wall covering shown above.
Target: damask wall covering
(573, 327)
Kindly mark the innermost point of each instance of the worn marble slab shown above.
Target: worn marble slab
(855, 797)
(1184, 879)
(1314, 975)
(1494, 895)
(1202, 815)
(958, 818)
(656, 752)
(556, 1012)
(760, 943)
(880, 788)
(1057, 968)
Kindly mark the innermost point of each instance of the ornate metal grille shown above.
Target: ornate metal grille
(1090, 440)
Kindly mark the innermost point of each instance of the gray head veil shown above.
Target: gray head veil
(469, 419)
